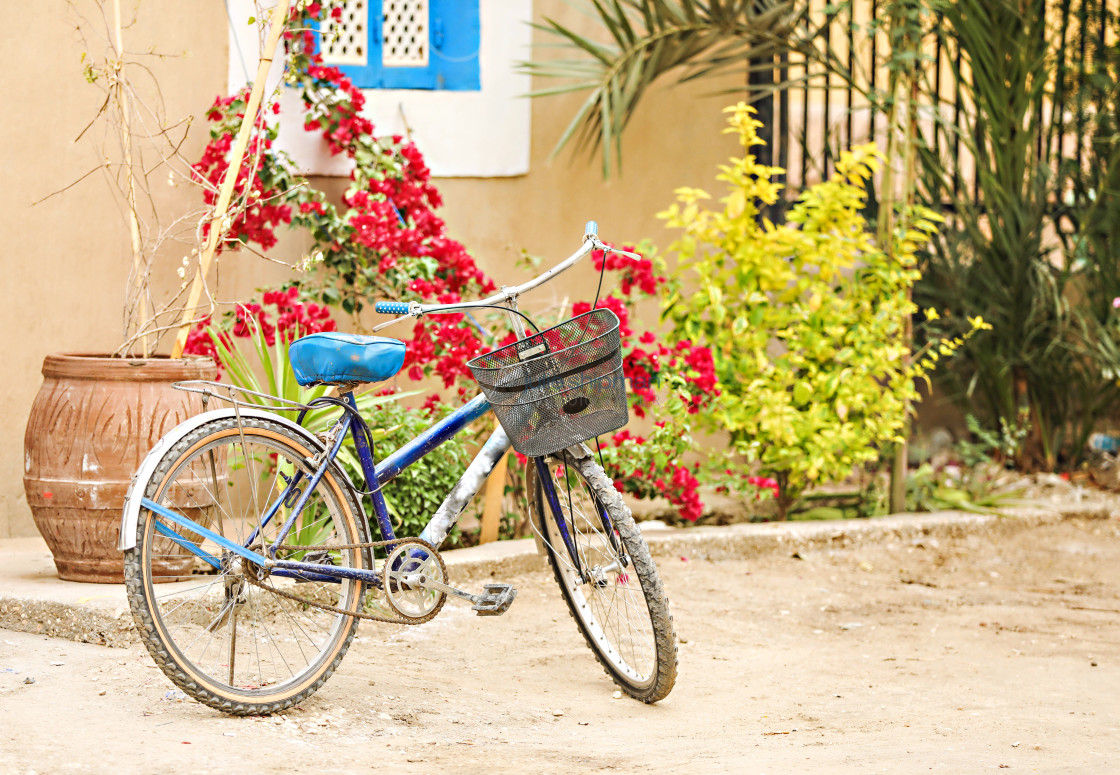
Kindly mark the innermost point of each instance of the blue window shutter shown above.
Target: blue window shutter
(456, 42)
(453, 51)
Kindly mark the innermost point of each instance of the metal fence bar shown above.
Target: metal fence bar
(804, 141)
(825, 125)
(805, 120)
(873, 69)
(1060, 86)
(937, 63)
(851, 70)
(783, 116)
(1083, 21)
(957, 97)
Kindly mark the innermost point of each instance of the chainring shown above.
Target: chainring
(412, 558)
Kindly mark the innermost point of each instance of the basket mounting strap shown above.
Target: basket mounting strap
(545, 380)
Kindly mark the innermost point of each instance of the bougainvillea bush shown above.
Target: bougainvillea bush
(384, 240)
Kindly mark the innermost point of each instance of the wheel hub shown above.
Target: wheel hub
(253, 570)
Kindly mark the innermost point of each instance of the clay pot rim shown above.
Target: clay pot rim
(102, 366)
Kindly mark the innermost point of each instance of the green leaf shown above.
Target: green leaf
(674, 37)
(801, 393)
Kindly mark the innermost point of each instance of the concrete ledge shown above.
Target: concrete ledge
(751, 540)
(34, 599)
(502, 558)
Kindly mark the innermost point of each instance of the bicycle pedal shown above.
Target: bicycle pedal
(495, 600)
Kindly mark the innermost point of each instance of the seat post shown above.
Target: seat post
(346, 393)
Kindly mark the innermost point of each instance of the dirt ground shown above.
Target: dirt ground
(990, 652)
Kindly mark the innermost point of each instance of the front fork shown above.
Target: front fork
(545, 478)
(543, 475)
(567, 525)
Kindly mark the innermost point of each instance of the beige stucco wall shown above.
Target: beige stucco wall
(65, 261)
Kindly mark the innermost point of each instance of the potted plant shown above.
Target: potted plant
(97, 414)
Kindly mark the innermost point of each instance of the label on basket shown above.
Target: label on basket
(532, 352)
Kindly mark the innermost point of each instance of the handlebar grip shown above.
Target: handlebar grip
(590, 230)
(391, 307)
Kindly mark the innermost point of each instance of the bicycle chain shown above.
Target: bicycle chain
(357, 615)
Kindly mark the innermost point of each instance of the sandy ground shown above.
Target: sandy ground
(966, 656)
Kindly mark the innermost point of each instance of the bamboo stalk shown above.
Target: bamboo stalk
(225, 193)
(130, 184)
(903, 131)
(492, 510)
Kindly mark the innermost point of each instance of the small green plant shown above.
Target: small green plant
(958, 488)
(975, 481)
(1003, 445)
(805, 320)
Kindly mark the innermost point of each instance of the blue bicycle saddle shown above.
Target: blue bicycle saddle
(328, 358)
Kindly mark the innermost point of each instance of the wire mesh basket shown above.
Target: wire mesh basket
(558, 387)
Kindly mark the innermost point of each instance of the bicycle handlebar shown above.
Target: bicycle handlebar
(590, 242)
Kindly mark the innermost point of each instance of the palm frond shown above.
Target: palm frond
(640, 41)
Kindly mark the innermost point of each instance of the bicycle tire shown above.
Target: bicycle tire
(172, 620)
(645, 670)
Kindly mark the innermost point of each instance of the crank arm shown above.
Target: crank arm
(422, 581)
(494, 600)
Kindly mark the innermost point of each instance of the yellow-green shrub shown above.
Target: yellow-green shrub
(806, 319)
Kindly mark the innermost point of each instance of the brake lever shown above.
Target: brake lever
(388, 323)
(600, 245)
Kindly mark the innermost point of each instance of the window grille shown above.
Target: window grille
(345, 42)
(404, 33)
(405, 44)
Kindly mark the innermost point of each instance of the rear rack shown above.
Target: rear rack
(224, 392)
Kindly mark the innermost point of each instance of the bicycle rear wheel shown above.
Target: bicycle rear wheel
(611, 587)
(222, 639)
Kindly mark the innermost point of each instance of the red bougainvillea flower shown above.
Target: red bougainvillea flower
(290, 318)
(388, 224)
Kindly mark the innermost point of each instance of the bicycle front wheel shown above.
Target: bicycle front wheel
(610, 583)
(230, 643)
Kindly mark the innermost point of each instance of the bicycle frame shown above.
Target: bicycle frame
(378, 474)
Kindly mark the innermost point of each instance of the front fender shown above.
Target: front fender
(130, 518)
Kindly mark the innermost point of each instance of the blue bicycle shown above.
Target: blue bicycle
(249, 559)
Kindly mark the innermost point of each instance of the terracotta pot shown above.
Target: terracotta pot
(92, 422)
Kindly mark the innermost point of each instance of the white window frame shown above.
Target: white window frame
(483, 133)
